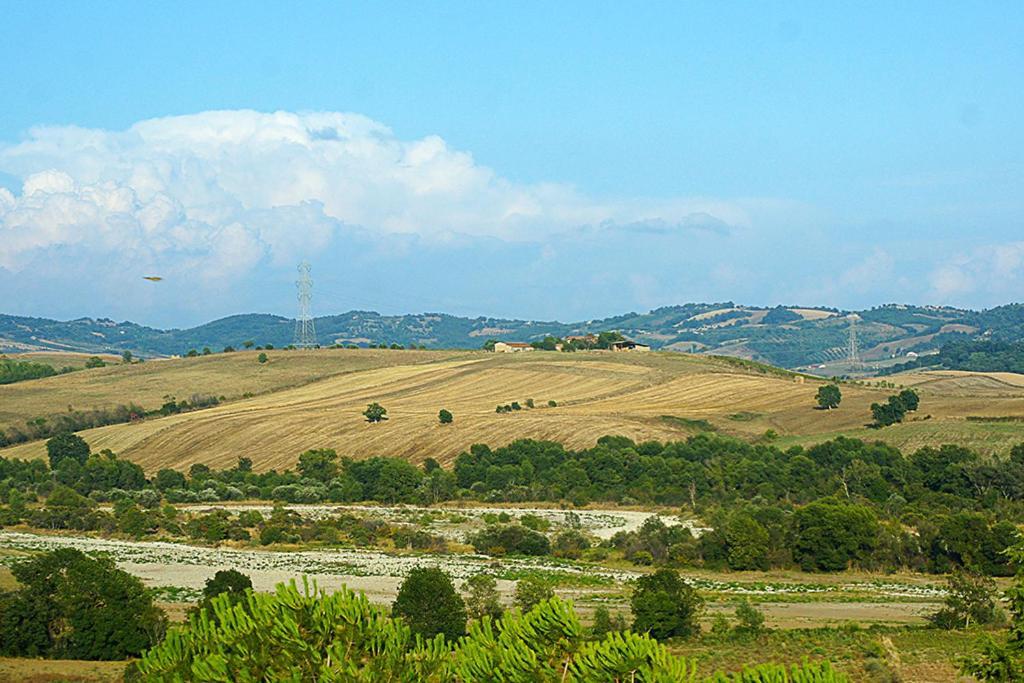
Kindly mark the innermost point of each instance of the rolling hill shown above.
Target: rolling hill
(310, 399)
(793, 337)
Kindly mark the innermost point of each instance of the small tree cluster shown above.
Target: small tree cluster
(893, 410)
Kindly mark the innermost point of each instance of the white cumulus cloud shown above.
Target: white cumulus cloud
(218, 192)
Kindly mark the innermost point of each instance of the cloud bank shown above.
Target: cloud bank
(218, 192)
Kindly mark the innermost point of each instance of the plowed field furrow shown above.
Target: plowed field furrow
(597, 394)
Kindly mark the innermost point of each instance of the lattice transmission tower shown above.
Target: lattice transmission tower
(305, 328)
(853, 352)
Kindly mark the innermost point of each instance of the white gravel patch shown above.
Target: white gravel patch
(601, 523)
(159, 563)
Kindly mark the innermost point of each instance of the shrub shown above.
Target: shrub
(445, 417)
(512, 538)
(665, 606)
(530, 592)
(749, 619)
(969, 600)
(482, 598)
(428, 603)
(228, 582)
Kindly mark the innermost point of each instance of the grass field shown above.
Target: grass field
(308, 399)
(59, 670)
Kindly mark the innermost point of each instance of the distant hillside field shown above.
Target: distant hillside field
(812, 339)
(313, 399)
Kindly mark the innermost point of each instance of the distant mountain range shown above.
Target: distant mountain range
(790, 336)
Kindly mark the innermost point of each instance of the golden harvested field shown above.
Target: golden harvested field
(224, 374)
(59, 359)
(311, 399)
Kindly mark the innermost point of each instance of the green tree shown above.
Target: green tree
(829, 396)
(749, 619)
(228, 582)
(747, 542)
(606, 339)
(482, 597)
(888, 413)
(428, 603)
(319, 463)
(95, 362)
(72, 606)
(445, 417)
(67, 446)
(169, 479)
(666, 606)
(375, 412)
(248, 343)
(602, 625)
(530, 592)
(970, 599)
(1003, 660)
(909, 399)
(126, 357)
(262, 358)
(830, 535)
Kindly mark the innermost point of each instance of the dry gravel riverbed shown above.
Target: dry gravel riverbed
(164, 564)
(160, 563)
(601, 523)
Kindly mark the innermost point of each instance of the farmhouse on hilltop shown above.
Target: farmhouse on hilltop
(511, 347)
(628, 345)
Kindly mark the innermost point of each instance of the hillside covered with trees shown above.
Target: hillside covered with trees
(783, 336)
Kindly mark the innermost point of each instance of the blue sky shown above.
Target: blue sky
(544, 160)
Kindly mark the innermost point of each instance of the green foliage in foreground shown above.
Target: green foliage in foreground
(293, 636)
(1003, 660)
(72, 606)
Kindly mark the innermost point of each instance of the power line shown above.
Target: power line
(853, 352)
(305, 329)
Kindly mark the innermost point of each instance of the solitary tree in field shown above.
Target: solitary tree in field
(262, 358)
(126, 357)
(375, 412)
(445, 417)
(829, 396)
